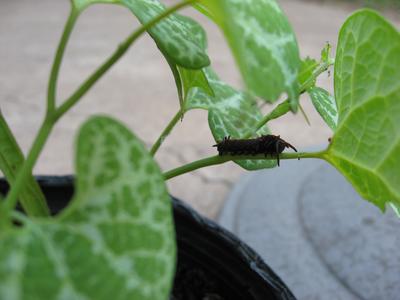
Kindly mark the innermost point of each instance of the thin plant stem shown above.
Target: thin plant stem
(309, 82)
(47, 125)
(217, 160)
(123, 47)
(304, 114)
(55, 70)
(284, 107)
(165, 132)
(277, 112)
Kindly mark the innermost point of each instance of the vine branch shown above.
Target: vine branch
(217, 160)
(166, 132)
(55, 70)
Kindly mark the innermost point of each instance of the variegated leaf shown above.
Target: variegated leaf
(325, 104)
(177, 36)
(186, 79)
(116, 239)
(230, 113)
(263, 44)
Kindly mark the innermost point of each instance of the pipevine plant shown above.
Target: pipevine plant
(116, 238)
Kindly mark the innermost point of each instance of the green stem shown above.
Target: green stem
(284, 107)
(45, 129)
(40, 208)
(303, 112)
(55, 70)
(217, 160)
(309, 82)
(30, 161)
(11, 160)
(277, 112)
(165, 133)
(123, 47)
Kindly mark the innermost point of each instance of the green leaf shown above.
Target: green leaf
(195, 78)
(11, 160)
(230, 113)
(178, 80)
(396, 208)
(326, 55)
(186, 79)
(80, 5)
(181, 40)
(263, 44)
(366, 145)
(116, 239)
(325, 104)
(308, 66)
(176, 36)
(189, 79)
(204, 10)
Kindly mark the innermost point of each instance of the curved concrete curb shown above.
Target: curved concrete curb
(316, 233)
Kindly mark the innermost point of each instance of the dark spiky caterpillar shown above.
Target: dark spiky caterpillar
(266, 144)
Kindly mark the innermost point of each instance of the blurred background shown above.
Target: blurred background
(375, 4)
(140, 90)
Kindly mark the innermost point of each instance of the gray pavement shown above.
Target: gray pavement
(313, 229)
(139, 90)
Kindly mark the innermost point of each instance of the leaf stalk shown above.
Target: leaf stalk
(284, 107)
(166, 132)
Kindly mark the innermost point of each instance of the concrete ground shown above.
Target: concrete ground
(139, 90)
(316, 233)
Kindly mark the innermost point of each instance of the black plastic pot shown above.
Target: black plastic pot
(212, 263)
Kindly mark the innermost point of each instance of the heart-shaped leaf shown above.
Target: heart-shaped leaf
(366, 145)
(116, 239)
(230, 113)
(186, 79)
(176, 35)
(180, 39)
(263, 44)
